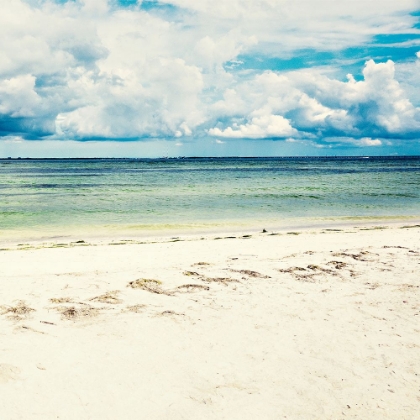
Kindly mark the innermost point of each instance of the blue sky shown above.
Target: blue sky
(214, 78)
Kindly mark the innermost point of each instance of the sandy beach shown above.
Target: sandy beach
(315, 324)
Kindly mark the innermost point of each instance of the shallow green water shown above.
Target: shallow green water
(55, 195)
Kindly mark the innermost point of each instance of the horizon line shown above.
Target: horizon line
(211, 157)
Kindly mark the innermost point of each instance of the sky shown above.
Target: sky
(154, 78)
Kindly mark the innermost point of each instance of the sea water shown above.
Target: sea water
(57, 196)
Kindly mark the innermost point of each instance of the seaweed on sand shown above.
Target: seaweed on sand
(108, 297)
(73, 313)
(171, 313)
(223, 280)
(291, 269)
(361, 256)
(252, 273)
(191, 273)
(61, 300)
(138, 308)
(19, 311)
(307, 274)
(191, 288)
(338, 265)
(150, 285)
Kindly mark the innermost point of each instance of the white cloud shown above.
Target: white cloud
(260, 127)
(362, 142)
(314, 104)
(407, 75)
(89, 69)
(159, 100)
(209, 52)
(282, 24)
(18, 97)
(366, 141)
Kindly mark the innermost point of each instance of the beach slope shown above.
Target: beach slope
(321, 324)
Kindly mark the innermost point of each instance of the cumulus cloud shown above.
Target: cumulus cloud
(315, 105)
(92, 69)
(159, 101)
(85, 71)
(273, 126)
(18, 97)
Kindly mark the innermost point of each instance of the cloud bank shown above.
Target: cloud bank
(184, 69)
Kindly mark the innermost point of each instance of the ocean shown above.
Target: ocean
(47, 197)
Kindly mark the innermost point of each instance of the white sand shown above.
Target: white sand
(321, 325)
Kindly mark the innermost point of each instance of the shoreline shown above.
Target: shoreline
(33, 236)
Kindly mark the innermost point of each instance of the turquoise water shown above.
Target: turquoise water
(157, 194)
